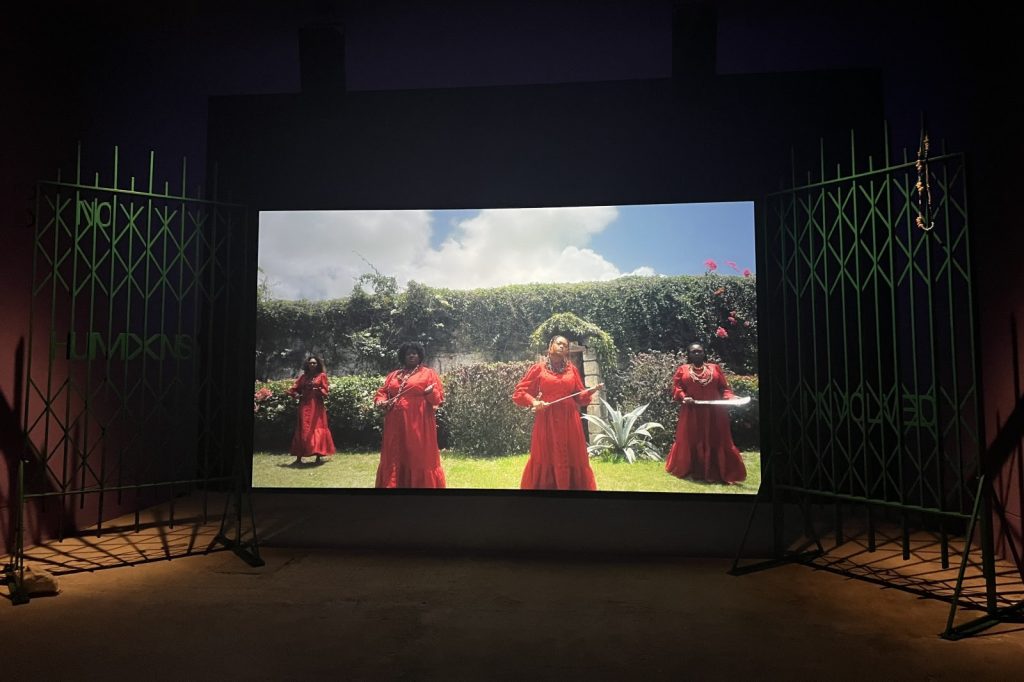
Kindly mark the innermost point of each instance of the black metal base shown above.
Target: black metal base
(12, 579)
(247, 552)
(1008, 614)
(800, 557)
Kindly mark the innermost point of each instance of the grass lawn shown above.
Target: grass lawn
(359, 469)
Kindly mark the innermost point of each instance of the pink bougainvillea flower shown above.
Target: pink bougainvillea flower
(747, 272)
(710, 264)
(732, 264)
(718, 292)
(721, 333)
(747, 323)
(732, 320)
(263, 394)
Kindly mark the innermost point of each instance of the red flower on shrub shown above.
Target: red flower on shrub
(710, 264)
(262, 394)
(732, 320)
(747, 272)
(747, 323)
(718, 292)
(721, 333)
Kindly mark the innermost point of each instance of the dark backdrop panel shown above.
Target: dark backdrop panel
(655, 141)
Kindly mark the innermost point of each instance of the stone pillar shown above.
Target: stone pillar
(591, 378)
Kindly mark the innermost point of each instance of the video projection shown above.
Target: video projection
(597, 348)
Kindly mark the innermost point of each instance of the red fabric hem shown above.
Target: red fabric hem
(539, 477)
(402, 477)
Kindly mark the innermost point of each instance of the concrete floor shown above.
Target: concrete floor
(362, 615)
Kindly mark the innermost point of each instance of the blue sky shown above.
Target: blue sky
(319, 254)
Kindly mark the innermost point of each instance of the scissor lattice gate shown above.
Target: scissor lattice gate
(869, 367)
(132, 383)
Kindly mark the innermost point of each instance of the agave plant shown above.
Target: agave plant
(620, 437)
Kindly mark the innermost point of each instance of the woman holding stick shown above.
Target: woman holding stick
(703, 449)
(558, 451)
(409, 456)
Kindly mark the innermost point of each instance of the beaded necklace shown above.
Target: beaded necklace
(702, 375)
(405, 374)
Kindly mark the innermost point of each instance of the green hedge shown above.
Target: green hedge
(479, 416)
(639, 313)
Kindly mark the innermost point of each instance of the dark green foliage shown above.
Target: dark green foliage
(746, 420)
(364, 330)
(573, 328)
(647, 379)
(639, 313)
(350, 413)
(479, 416)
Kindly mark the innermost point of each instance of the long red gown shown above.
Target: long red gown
(409, 456)
(312, 435)
(558, 450)
(703, 449)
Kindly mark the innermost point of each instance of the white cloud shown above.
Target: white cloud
(319, 254)
(314, 254)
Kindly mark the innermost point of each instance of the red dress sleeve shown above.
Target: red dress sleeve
(528, 387)
(435, 397)
(723, 384)
(381, 396)
(294, 390)
(678, 392)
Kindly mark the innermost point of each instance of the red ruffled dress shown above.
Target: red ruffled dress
(409, 456)
(312, 435)
(558, 450)
(703, 449)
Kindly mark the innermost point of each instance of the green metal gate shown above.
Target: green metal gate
(869, 368)
(133, 365)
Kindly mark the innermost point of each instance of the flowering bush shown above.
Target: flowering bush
(730, 317)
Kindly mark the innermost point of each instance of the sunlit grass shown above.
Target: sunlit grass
(359, 470)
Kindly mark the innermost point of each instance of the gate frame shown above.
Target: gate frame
(918, 205)
(219, 453)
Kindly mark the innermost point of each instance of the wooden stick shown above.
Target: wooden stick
(573, 395)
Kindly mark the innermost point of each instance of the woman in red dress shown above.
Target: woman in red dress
(409, 457)
(312, 435)
(558, 450)
(703, 449)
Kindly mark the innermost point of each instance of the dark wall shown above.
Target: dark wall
(995, 181)
(580, 109)
(622, 142)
